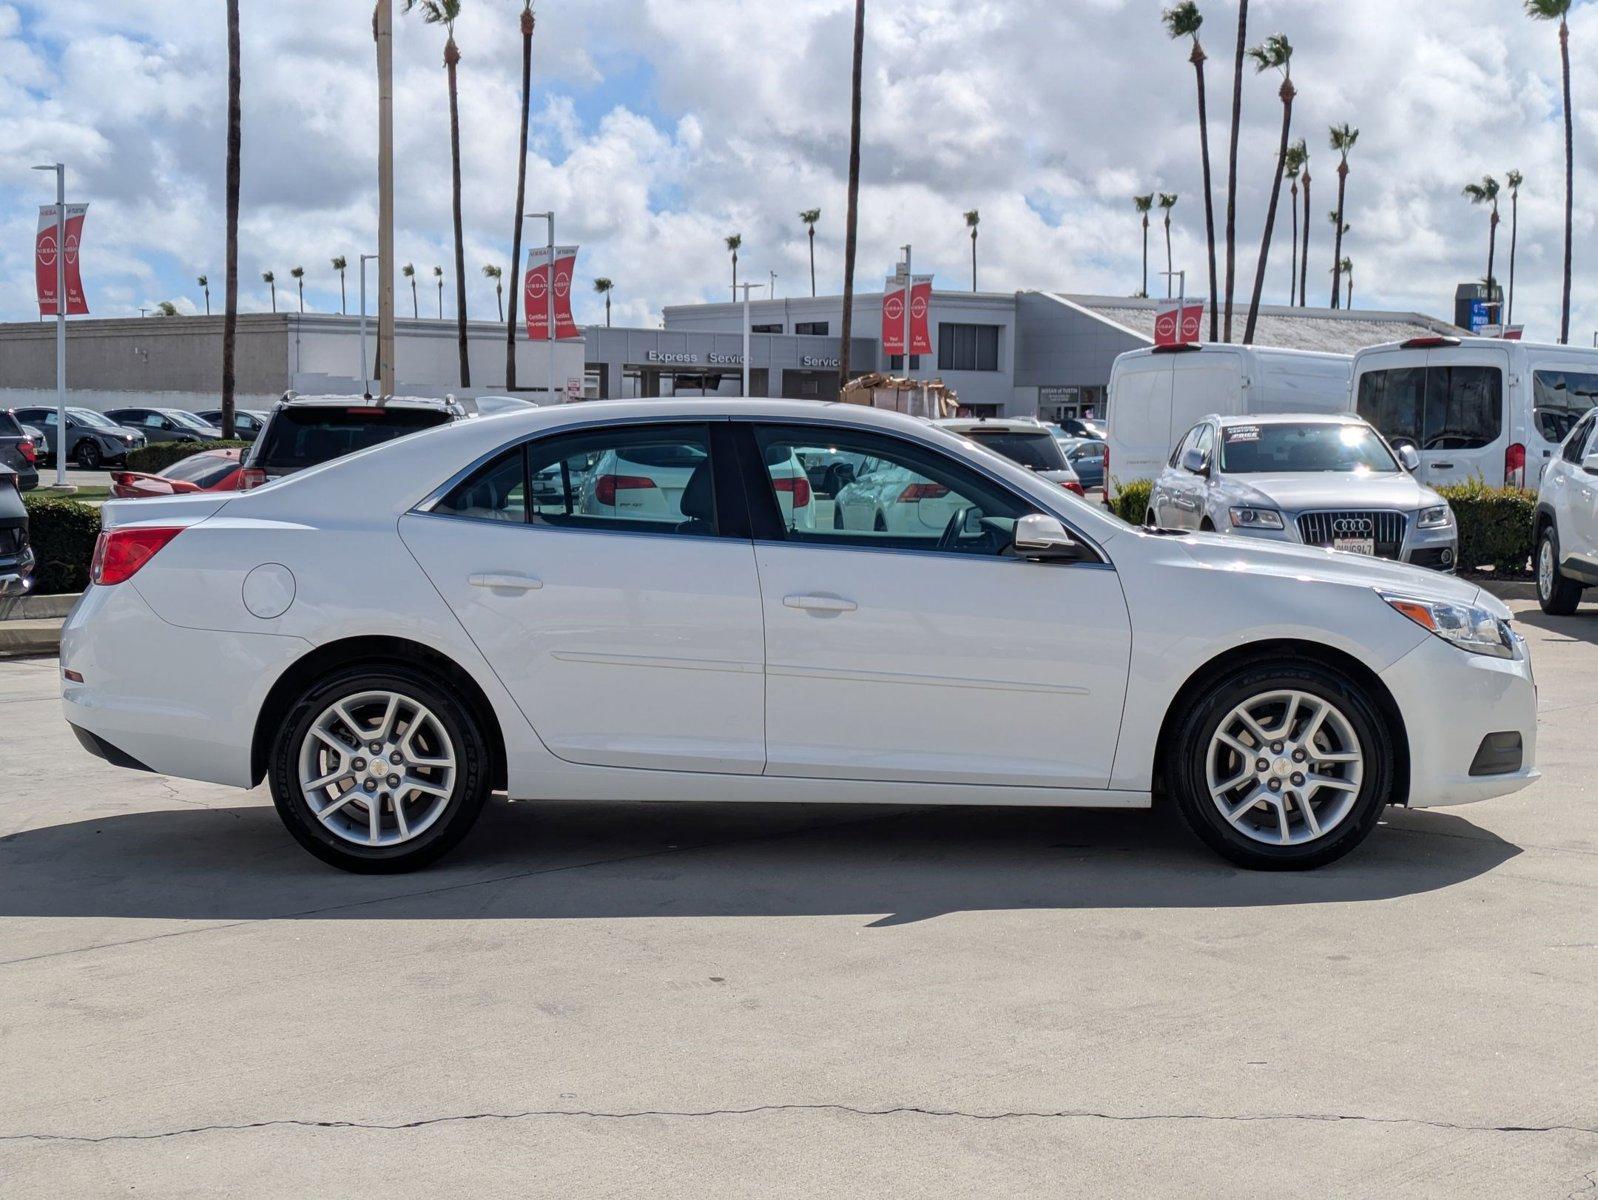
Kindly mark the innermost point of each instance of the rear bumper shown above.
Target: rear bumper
(1452, 702)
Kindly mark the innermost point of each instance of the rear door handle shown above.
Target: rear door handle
(1440, 466)
(510, 583)
(820, 604)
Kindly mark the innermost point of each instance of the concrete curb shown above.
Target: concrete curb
(25, 639)
(35, 607)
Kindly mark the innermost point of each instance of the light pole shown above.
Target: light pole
(909, 291)
(772, 294)
(383, 33)
(549, 295)
(1181, 277)
(366, 380)
(746, 288)
(60, 170)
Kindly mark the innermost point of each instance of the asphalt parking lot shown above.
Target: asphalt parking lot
(597, 1000)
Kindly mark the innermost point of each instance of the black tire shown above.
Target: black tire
(880, 525)
(461, 810)
(1184, 761)
(1556, 592)
(88, 454)
(1148, 520)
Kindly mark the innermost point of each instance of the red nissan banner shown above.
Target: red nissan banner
(892, 320)
(920, 313)
(1178, 324)
(1192, 324)
(535, 293)
(44, 261)
(1512, 332)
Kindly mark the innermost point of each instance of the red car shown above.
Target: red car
(207, 471)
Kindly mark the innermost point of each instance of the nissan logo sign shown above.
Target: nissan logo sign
(1353, 527)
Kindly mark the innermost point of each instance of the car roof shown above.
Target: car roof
(1289, 419)
(291, 400)
(996, 424)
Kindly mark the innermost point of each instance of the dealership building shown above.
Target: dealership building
(1028, 353)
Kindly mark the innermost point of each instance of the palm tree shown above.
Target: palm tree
(1231, 165)
(972, 220)
(1144, 203)
(235, 138)
(497, 274)
(1181, 21)
(340, 264)
(298, 274)
(166, 309)
(734, 241)
(1347, 268)
(851, 218)
(1514, 179)
(205, 286)
(1293, 166)
(446, 13)
(1486, 192)
(1303, 254)
(604, 287)
(270, 279)
(409, 271)
(527, 23)
(438, 277)
(1274, 53)
(1343, 138)
(1558, 10)
(809, 217)
(1167, 203)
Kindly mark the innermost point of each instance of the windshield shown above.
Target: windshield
(296, 438)
(1272, 449)
(87, 416)
(1036, 450)
(187, 419)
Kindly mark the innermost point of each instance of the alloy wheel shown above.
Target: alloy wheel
(1545, 567)
(377, 768)
(1284, 767)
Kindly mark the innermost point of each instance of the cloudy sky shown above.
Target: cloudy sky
(660, 126)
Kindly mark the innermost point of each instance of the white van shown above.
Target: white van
(1157, 395)
(1476, 406)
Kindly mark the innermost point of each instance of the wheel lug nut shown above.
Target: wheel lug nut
(1275, 785)
(395, 758)
(370, 785)
(1276, 747)
(1298, 756)
(359, 764)
(1298, 779)
(393, 781)
(1262, 765)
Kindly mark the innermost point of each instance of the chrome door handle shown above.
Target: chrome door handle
(820, 604)
(510, 583)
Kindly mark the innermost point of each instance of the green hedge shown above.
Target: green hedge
(63, 534)
(1131, 500)
(157, 456)
(1494, 525)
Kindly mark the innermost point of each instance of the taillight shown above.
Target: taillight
(798, 485)
(607, 487)
(251, 477)
(1515, 466)
(922, 491)
(28, 450)
(1072, 485)
(120, 553)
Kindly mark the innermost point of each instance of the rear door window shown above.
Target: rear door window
(1560, 399)
(1436, 407)
(1394, 401)
(9, 427)
(300, 437)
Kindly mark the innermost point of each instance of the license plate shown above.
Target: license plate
(1355, 545)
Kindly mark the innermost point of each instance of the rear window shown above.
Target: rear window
(202, 470)
(9, 426)
(1036, 450)
(296, 438)
(1560, 399)
(1437, 408)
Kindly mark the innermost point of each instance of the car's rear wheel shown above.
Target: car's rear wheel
(88, 455)
(378, 770)
(1557, 593)
(1281, 766)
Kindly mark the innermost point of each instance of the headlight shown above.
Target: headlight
(1256, 518)
(1438, 517)
(1466, 626)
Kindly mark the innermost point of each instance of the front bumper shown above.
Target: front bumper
(1451, 701)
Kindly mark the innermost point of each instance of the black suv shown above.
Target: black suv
(16, 556)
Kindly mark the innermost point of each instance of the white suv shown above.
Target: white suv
(1567, 521)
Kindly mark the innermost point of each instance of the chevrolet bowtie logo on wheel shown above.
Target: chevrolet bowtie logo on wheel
(1353, 527)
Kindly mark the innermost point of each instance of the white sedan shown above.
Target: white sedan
(392, 636)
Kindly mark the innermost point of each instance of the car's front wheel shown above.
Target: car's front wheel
(379, 769)
(88, 455)
(1281, 766)
(1556, 592)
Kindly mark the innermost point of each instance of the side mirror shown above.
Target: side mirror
(1590, 464)
(1043, 539)
(1408, 457)
(1195, 462)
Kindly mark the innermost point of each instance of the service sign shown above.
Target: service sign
(44, 261)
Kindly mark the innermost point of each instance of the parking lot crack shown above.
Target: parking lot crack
(847, 1110)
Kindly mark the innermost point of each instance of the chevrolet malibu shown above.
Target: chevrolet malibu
(391, 637)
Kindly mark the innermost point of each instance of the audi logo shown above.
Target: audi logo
(1353, 527)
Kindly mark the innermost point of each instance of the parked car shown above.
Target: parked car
(93, 440)
(1078, 427)
(247, 422)
(19, 451)
(166, 424)
(1156, 395)
(1086, 457)
(1023, 440)
(306, 431)
(1566, 522)
(207, 471)
(1320, 480)
(392, 637)
(1476, 406)
(16, 554)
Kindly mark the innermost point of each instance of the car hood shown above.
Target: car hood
(1311, 564)
(1337, 489)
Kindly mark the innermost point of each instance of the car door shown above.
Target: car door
(1466, 429)
(629, 637)
(931, 654)
(1575, 499)
(1169, 503)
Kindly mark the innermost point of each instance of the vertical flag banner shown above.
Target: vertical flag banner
(1178, 324)
(44, 261)
(892, 319)
(920, 315)
(535, 293)
(1192, 324)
